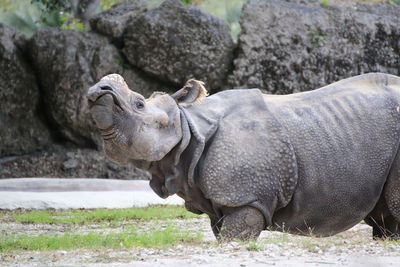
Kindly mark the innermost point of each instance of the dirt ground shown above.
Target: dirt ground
(354, 247)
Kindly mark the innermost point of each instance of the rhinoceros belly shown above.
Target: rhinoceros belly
(345, 140)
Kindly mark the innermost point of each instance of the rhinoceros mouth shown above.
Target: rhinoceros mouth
(97, 98)
(101, 110)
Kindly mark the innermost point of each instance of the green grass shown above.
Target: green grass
(253, 246)
(84, 217)
(122, 237)
(128, 238)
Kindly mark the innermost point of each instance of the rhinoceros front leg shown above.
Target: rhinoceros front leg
(242, 223)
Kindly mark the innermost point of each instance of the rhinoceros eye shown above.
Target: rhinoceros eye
(139, 104)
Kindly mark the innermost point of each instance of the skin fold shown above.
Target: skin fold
(312, 163)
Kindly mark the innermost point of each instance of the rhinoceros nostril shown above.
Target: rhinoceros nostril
(106, 88)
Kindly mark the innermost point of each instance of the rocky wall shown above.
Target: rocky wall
(283, 47)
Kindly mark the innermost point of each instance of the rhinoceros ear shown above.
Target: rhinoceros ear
(192, 92)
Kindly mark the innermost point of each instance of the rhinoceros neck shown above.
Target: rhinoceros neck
(199, 122)
(167, 175)
(204, 119)
(205, 123)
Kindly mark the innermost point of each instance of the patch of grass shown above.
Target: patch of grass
(253, 246)
(41, 216)
(83, 217)
(129, 237)
(324, 2)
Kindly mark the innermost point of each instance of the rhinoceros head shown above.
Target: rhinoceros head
(135, 128)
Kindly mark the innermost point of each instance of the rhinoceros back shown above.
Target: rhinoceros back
(345, 137)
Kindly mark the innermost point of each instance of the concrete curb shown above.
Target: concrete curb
(52, 193)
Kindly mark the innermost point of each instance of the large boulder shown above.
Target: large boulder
(287, 46)
(175, 43)
(143, 84)
(67, 63)
(112, 22)
(21, 129)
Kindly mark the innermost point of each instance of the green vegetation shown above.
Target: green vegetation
(228, 10)
(107, 4)
(253, 246)
(127, 238)
(310, 244)
(30, 15)
(85, 217)
(186, 2)
(317, 38)
(324, 2)
(156, 234)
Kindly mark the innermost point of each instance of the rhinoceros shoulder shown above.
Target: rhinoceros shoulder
(250, 158)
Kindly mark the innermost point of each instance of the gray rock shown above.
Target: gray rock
(286, 47)
(70, 164)
(174, 43)
(113, 21)
(144, 85)
(308, 2)
(64, 162)
(21, 130)
(68, 63)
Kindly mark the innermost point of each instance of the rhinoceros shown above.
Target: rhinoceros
(311, 163)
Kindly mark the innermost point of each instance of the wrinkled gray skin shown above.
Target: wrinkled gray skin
(315, 163)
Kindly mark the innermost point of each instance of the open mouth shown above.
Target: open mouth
(101, 104)
(102, 98)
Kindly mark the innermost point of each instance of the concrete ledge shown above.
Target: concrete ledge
(50, 193)
(73, 184)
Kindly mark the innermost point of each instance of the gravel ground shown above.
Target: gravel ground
(354, 247)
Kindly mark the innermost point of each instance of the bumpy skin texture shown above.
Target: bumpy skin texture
(309, 163)
(244, 223)
(345, 138)
(247, 157)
